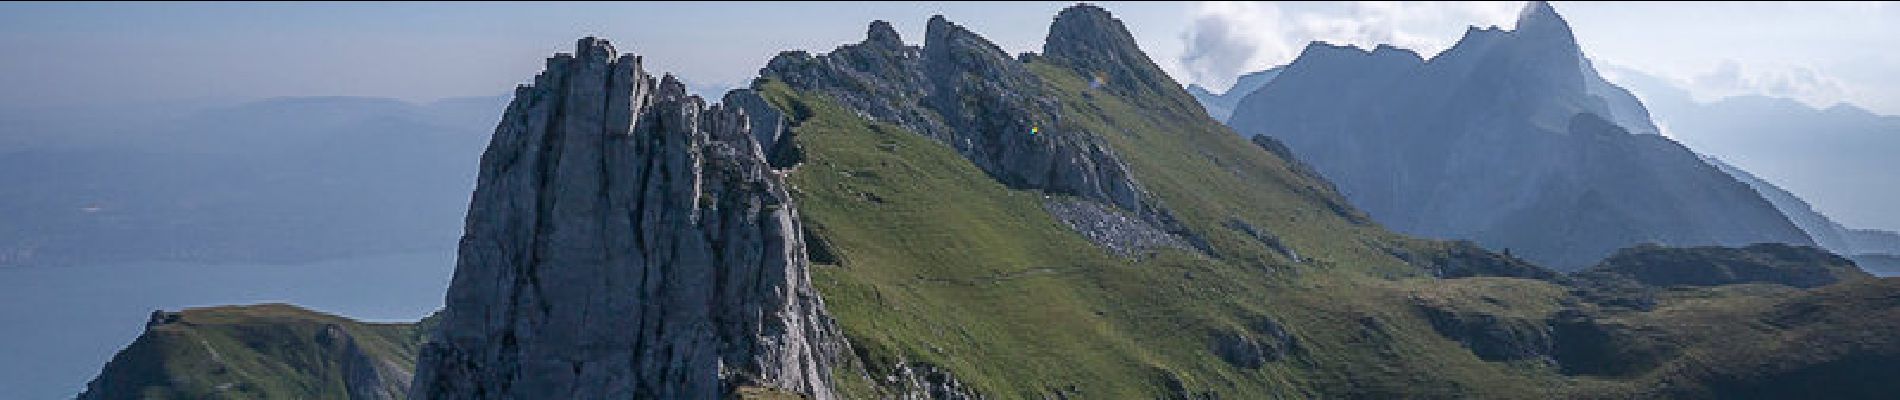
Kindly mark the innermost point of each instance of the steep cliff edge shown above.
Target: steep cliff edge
(625, 240)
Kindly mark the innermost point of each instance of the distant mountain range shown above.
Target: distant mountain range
(1836, 147)
(1874, 249)
(1509, 138)
(1840, 158)
(1221, 106)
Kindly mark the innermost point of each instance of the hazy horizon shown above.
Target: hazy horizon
(92, 58)
(420, 52)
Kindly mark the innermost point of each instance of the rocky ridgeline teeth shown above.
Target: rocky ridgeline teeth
(965, 92)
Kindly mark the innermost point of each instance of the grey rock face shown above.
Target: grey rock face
(1508, 139)
(365, 377)
(767, 123)
(1089, 40)
(923, 381)
(625, 240)
(961, 90)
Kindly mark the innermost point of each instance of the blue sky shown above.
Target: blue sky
(84, 53)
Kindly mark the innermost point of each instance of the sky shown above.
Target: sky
(100, 55)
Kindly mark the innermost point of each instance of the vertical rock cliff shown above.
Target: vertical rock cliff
(626, 240)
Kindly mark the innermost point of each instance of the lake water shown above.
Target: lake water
(59, 326)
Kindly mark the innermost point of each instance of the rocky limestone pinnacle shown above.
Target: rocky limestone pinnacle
(626, 240)
(1091, 41)
(881, 34)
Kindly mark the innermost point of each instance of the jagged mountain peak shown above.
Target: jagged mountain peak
(1090, 40)
(593, 48)
(1084, 28)
(1538, 20)
(881, 34)
(1538, 13)
(941, 35)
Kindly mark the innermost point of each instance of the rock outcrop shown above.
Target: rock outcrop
(1087, 39)
(1264, 342)
(626, 240)
(962, 90)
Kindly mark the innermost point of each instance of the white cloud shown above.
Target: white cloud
(1230, 38)
(1227, 39)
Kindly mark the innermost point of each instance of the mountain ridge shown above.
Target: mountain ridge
(923, 194)
(1403, 139)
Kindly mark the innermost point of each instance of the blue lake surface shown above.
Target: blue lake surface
(59, 325)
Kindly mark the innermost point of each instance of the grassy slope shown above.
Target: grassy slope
(265, 351)
(954, 269)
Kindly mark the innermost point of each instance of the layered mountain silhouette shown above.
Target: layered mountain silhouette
(1839, 157)
(1509, 138)
(1221, 106)
(1821, 149)
(1873, 249)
